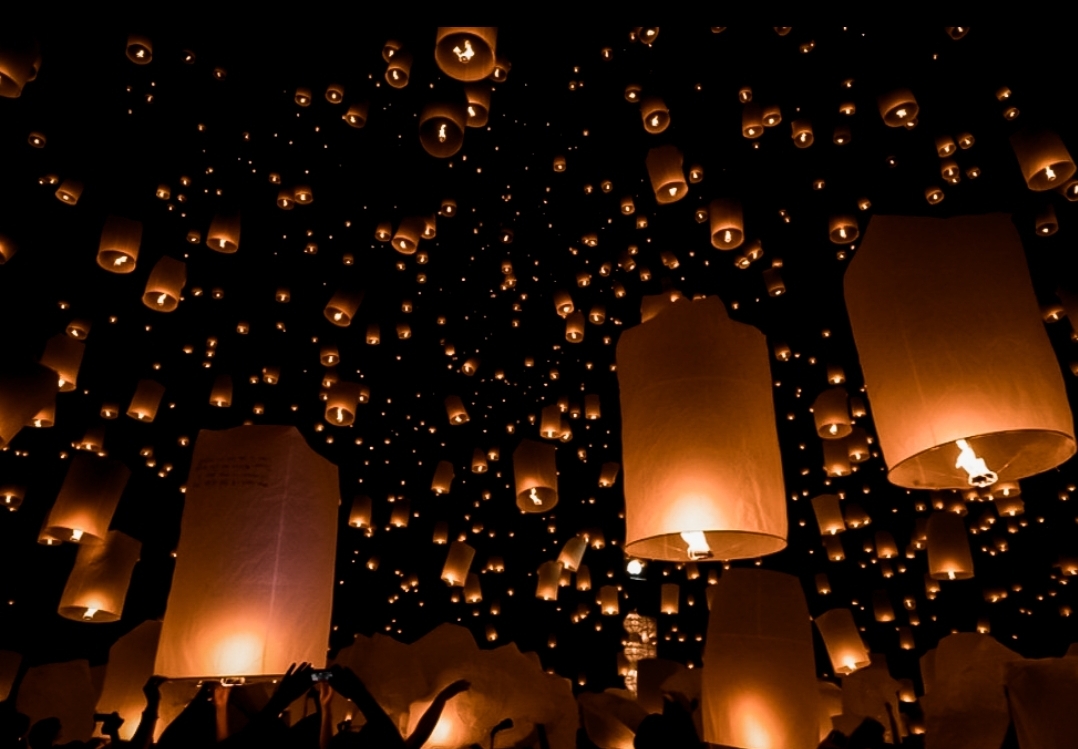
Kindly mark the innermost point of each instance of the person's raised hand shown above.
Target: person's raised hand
(293, 685)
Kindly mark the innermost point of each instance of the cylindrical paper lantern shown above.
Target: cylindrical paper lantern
(844, 645)
(965, 398)
(406, 239)
(139, 49)
(670, 598)
(572, 554)
(341, 402)
(702, 473)
(843, 229)
(441, 129)
(87, 500)
(882, 609)
(130, 665)
(478, 109)
(949, 556)
(120, 241)
(343, 306)
(828, 514)
(356, 116)
(457, 564)
(535, 473)
(886, 548)
(727, 224)
(898, 108)
(401, 512)
(473, 589)
(443, 477)
(802, 133)
(574, 327)
(146, 400)
(667, 177)
(360, 514)
(253, 586)
(608, 474)
(97, 586)
(165, 285)
(454, 408)
(20, 59)
(752, 120)
(759, 679)
(549, 577)
(63, 355)
(221, 393)
(608, 600)
(466, 53)
(69, 191)
(399, 69)
(654, 113)
(583, 578)
(479, 461)
(831, 413)
(25, 389)
(224, 233)
(1044, 160)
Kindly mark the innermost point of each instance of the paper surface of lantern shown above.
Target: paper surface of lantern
(97, 586)
(87, 500)
(990, 378)
(119, 247)
(844, 645)
(224, 233)
(131, 661)
(535, 473)
(667, 176)
(63, 355)
(457, 564)
(949, 557)
(701, 468)
(165, 285)
(253, 586)
(25, 389)
(60, 690)
(759, 677)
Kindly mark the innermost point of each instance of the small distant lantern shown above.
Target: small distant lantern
(224, 233)
(669, 598)
(63, 355)
(608, 600)
(828, 514)
(146, 400)
(844, 645)
(454, 407)
(341, 402)
(401, 512)
(479, 461)
(831, 413)
(752, 121)
(535, 474)
(457, 564)
(801, 132)
(727, 224)
(592, 407)
(221, 392)
(97, 585)
(360, 514)
(165, 285)
(441, 129)
(443, 478)
(608, 474)
(655, 115)
(139, 49)
(949, 556)
(574, 327)
(773, 282)
(303, 96)
(1046, 223)
(664, 166)
(898, 107)
(356, 116)
(87, 500)
(69, 192)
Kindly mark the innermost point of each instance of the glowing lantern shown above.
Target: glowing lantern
(667, 178)
(549, 577)
(535, 473)
(882, 609)
(550, 423)
(574, 327)
(441, 129)
(831, 413)
(356, 116)
(843, 641)
(654, 113)
(26, 389)
(559, 163)
(443, 477)
(120, 240)
(608, 474)
(7, 249)
(342, 307)
(1044, 160)
(466, 53)
(1046, 223)
(949, 557)
(479, 461)
(801, 132)
(360, 514)
(759, 679)
(303, 97)
(139, 49)
(898, 108)
(401, 512)
(843, 229)
(69, 191)
(608, 600)
(572, 553)
(823, 585)
(752, 121)
(165, 285)
(341, 402)
(146, 400)
(87, 500)
(669, 598)
(259, 502)
(828, 514)
(457, 564)
(833, 547)
(20, 60)
(399, 69)
(773, 282)
(478, 109)
(11, 498)
(224, 233)
(97, 586)
(130, 665)
(886, 548)
(9, 670)
(694, 487)
(950, 410)
(221, 392)
(727, 224)
(454, 408)
(857, 445)
(592, 407)
(406, 239)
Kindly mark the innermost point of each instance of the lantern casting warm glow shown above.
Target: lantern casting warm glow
(97, 586)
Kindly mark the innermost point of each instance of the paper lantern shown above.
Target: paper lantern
(457, 564)
(87, 500)
(119, 246)
(479, 461)
(97, 586)
(572, 553)
(441, 129)
(898, 108)
(1043, 158)
(224, 233)
(535, 473)
(669, 598)
(833, 547)
(655, 115)
(828, 514)
(401, 512)
(11, 498)
(455, 410)
(664, 166)
(886, 548)
(20, 59)
(965, 399)
(130, 665)
(831, 413)
(7, 249)
(823, 585)
(608, 474)
(341, 402)
(478, 109)
(583, 578)
(69, 191)
(759, 677)
(702, 472)
(1046, 222)
(146, 400)
(752, 120)
(857, 444)
(63, 355)
(949, 556)
(165, 285)
(574, 327)
(259, 502)
(773, 282)
(360, 514)
(882, 609)
(221, 392)
(406, 239)
(801, 132)
(727, 224)
(443, 477)
(139, 49)
(466, 53)
(843, 229)
(473, 589)
(399, 70)
(608, 600)
(9, 670)
(549, 578)
(342, 307)
(843, 642)
(25, 389)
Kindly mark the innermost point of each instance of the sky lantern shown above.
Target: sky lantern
(457, 564)
(727, 224)
(949, 557)
(224, 233)
(466, 53)
(119, 247)
(1043, 158)
(535, 473)
(441, 129)
(146, 400)
(25, 389)
(667, 175)
(87, 500)
(259, 502)
(844, 645)
(966, 400)
(63, 355)
(702, 473)
(165, 285)
(97, 586)
(759, 678)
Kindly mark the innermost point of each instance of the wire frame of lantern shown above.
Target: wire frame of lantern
(466, 53)
(87, 500)
(97, 585)
(1043, 158)
(441, 129)
(119, 246)
(898, 107)
(224, 233)
(165, 285)
(844, 645)
(685, 375)
(665, 170)
(950, 410)
(342, 307)
(535, 475)
(655, 115)
(949, 556)
(146, 401)
(727, 224)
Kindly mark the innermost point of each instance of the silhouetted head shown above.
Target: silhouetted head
(44, 733)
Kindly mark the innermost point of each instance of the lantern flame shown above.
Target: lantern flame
(162, 298)
(1049, 173)
(900, 113)
(977, 470)
(89, 615)
(471, 111)
(534, 497)
(441, 133)
(466, 54)
(655, 121)
(698, 548)
(76, 534)
(120, 260)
